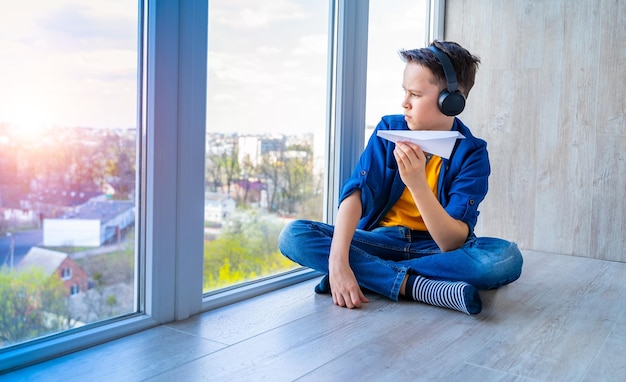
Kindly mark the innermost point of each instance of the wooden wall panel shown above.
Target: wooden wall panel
(515, 33)
(561, 225)
(550, 101)
(608, 239)
(473, 33)
(612, 73)
(513, 159)
(608, 220)
(551, 204)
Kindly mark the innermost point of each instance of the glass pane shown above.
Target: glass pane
(68, 106)
(265, 132)
(393, 25)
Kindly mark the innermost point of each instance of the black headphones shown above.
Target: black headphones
(451, 101)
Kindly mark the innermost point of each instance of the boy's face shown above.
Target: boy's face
(421, 92)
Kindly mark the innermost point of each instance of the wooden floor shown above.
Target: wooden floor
(563, 320)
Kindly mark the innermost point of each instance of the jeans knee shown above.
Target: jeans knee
(517, 261)
(307, 243)
(286, 238)
(502, 266)
(293, 238)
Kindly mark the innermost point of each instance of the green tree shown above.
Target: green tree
(312, 206)
(32, 304)
(246, 250)
(297, 177)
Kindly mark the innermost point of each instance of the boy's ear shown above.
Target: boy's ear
(451, 101)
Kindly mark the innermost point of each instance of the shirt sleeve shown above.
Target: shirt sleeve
(374, 172)
(466, 183)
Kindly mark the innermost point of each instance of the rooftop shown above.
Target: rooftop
(47, 259)
(100, 210)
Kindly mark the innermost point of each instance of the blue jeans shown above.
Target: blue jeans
(381, 258)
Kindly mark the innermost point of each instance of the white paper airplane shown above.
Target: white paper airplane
(438, 143)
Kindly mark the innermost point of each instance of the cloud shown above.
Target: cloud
(223, 97)
(88, 27)
(78, 58)
(75, 61)
(312, 45)
(238, 13)
(393, 25)
(266, 50)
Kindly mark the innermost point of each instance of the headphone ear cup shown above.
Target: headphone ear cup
(451, 104)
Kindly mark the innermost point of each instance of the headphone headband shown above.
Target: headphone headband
(451, 101)
(448, 69)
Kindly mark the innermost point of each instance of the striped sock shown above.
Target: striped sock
(457, 295)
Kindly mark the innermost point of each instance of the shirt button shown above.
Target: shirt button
(363, 172)
(472, 202)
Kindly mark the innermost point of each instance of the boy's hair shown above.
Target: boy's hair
(465, 64)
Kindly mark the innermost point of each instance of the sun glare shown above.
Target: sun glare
(28, 122)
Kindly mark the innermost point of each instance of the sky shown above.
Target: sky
(74, 63)
(68, 63)
(393, 25)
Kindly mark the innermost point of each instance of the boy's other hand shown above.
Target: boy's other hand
(344, 287)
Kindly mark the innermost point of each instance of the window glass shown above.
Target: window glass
(393, 26)
(68, 106)
(266, 107)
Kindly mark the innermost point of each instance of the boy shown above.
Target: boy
(405, 222)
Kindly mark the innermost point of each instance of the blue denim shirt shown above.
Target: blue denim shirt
(463, 180)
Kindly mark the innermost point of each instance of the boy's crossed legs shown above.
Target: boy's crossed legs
(406, 266)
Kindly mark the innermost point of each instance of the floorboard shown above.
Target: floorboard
(563, 320)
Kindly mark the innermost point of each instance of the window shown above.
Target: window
(66, 273)
(266, 101)
(175, 120)
(393, 26)
(74, 289)
(68, 116)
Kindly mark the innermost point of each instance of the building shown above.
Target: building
(252, 147)
(217, 207)
(90, 225)
(74, 278)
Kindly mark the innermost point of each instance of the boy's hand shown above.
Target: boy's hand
(411, 163)
(448, 232)
(344, 287)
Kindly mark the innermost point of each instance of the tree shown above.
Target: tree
(111, 273)
(100, 303)
(297, 178)
(119, 163)
(32, 304)
(213, 172)
(270, 169)
(222, 168)
(245, 251)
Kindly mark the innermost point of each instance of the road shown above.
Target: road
(24, 241)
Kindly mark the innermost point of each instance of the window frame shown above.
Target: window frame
(171, 136)
(66, 273)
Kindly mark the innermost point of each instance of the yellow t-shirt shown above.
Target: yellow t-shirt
(405, 212)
